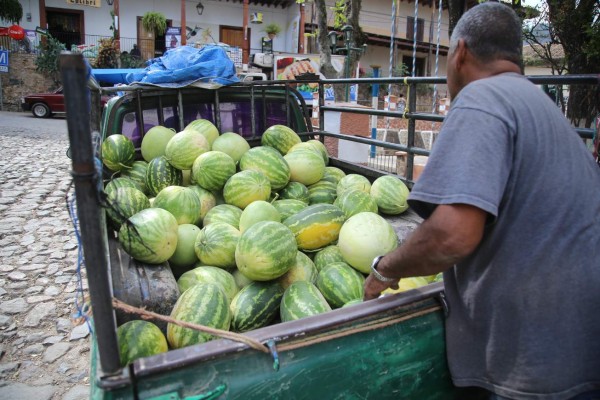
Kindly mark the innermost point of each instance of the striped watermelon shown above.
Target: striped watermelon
(302, 299)
(390, 194)
(212, 169)
(184, 255)
(117, 183)
(304, 146)
(255, 306)
(186, 177)
(353, 201)
(203, 304)
(406, 284)
(333, 174)
(224, 213)
(180, 201)
(205, 128)
(184, 148)
(353, 181)
(288, 207)
(295, 191)
(258, 211)
(137, 173)
(209, 274)
(322, 192)
(139, 339)
(155, 141)
(245, 187)
(207, 200)
(232, 144)
(268, 161)
(150, 236)
(317, 144)
(365, 236)
(306, 167)
(266, 251)
(280, 137)
(124, 202)
(240, 279)
(118, 152)
(352, 303)
(215, 244)
(340, 283)
(329, 255)
(316, 226)
(303, 270)
(161, 174)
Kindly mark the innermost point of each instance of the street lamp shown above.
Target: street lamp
(200, 8)
(347, 30)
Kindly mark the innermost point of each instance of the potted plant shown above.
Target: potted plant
(272, 30)
(154, 22)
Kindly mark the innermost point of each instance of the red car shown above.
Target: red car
(44, 105)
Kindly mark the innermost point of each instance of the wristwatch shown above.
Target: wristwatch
(376, 273)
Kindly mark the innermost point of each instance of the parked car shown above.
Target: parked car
(44, 105)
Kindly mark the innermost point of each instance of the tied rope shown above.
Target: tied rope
(437, 57)
(414, 55)
(406, 110)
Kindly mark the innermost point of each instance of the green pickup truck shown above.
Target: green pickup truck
(392, 347)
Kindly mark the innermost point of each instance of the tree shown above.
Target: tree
(11, 11)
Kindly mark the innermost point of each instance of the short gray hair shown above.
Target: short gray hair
(491, 31)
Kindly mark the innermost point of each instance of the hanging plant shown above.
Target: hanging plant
(272, 29)
(11, 11)
(154, 22)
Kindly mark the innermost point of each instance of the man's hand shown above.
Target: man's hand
(374, 287)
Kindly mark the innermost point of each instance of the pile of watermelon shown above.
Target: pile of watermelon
(255, 236)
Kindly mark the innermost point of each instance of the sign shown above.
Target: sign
(16, 32)
(90, 3)
(173, 37)
(3, 60)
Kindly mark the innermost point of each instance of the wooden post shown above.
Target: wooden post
(301, 30)
(246, 49)
(183, 24)
(43, 20)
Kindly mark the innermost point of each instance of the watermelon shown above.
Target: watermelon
(322, 192)
(316, 226)
(288, 207)
(258, 211)
(365, 236)
(124, 202)
(280, 137)
(186, 177)
(180, 201)
(209, 274)
(137, 173)
(203, 304)
(390, 194)
(205, 128)
(406, 284)
(240, 279)
(245, 187)
(340, 283)
(333, 174)
(328, 255)
(304, 146)
(302, 299)
(306, 167)
(139, 339)
(116, 183)
(353, 181)
(255, 306)
(207, 200)
(266, 251)
(295, 191)
(183, 149)
(161, 174)
(352, 303)
(150, 236)
(317, 144)
(155, 141)
(224, 213)
(212, 169)
(353, 201)
(268, 161)
(215, 244)
(184, 255)
(303, 270)
(118, 152)
(232, 144)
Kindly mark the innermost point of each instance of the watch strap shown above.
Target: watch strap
(376, 273)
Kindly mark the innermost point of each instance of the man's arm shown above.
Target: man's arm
(451, 233)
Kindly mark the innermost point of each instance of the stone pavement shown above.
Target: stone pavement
(44, 353)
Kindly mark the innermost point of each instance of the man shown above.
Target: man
(511, 201)
(135, 52)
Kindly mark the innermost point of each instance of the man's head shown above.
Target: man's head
(491, 35)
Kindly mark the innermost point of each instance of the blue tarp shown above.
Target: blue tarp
(113, 76)
(185, 65)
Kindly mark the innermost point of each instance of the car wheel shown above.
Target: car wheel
(40, 110)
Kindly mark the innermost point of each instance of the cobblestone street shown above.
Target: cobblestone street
(44, 350)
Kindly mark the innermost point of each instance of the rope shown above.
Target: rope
(437, 56)
(406, 110)
(391, 67)
(414, 58)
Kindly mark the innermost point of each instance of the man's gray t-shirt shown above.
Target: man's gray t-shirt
(523, 318)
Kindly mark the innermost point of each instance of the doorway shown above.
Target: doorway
(419, 65)
(233, 36)
(150, 44)
(66, 26)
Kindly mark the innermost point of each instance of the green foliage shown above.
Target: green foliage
(154, 22)
(11, 11)
(107, 54)
(339, 14)
(272, 29)
(129, 61)
(47, 59)
(401, 70)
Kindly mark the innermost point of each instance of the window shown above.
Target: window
(410, 26)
